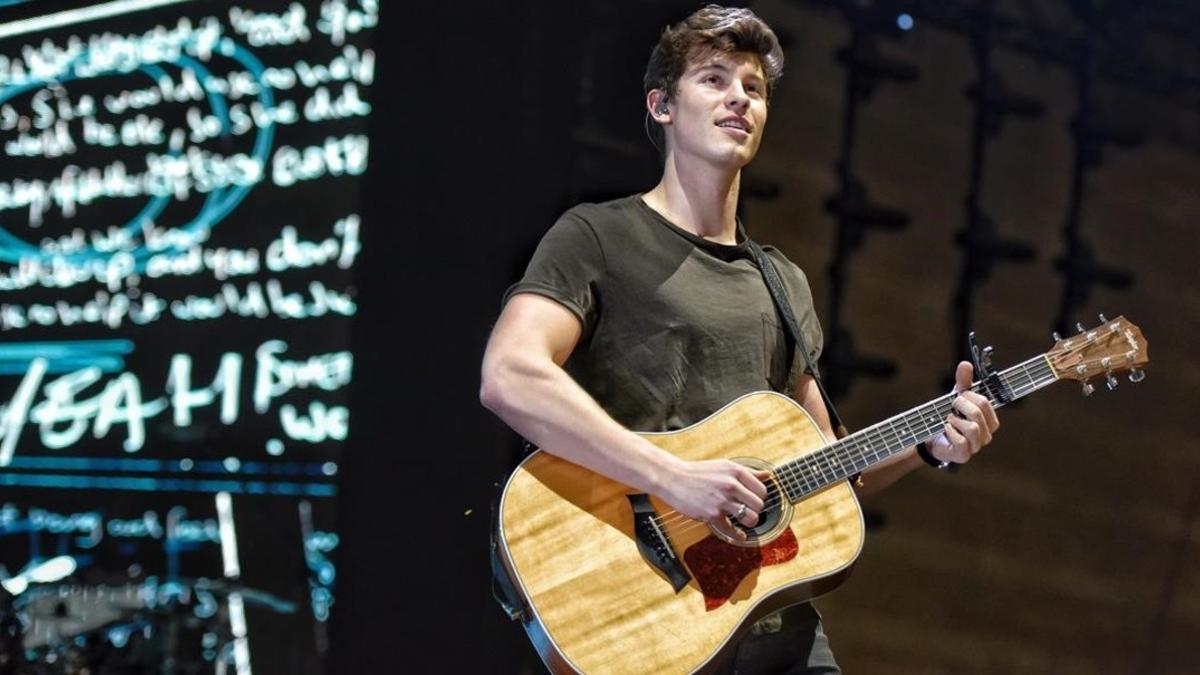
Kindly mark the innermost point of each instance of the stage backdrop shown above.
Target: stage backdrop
(179, 232)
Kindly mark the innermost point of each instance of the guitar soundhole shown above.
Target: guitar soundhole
(768, 519)
(772, 521)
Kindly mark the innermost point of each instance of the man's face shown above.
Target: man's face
(719, 110)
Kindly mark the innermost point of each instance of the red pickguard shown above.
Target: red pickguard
(719, 566)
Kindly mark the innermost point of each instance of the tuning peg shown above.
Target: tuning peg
(1088, 388)
(1103, 319)
(1079, 326)
(986, 357)
(1056, 336)
(1136, 375)
(1112, 381)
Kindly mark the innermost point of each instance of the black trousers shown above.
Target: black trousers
(797, 647)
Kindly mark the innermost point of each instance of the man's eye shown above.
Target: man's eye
(712, 79)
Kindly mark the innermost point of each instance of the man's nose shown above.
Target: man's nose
(737, 97)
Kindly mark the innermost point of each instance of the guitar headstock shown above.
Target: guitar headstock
(1112, 347)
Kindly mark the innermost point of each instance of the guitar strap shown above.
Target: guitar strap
(784, 307)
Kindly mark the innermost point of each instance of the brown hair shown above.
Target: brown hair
(711, 28)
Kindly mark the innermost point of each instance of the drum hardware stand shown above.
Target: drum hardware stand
(12, 649)
(979, 240)
(856, 214)
(1078, 263)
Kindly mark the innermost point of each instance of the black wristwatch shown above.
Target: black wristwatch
(927, 457)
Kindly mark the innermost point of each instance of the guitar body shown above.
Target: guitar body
(594, 604)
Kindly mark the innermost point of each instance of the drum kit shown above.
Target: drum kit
(122, 625)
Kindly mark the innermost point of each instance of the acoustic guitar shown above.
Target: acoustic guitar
(612, 581)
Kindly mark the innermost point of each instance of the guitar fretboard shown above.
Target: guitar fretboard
(860, 450)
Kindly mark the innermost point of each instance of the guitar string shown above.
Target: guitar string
(1038, 363)
(671, 517)
(824, 466)
(834, 459)
(823, 459)
(885, 432)
(888, 433)
(944, 402)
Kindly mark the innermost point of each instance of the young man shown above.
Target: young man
(648, 313)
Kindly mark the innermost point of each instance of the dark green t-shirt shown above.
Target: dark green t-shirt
(674, 326)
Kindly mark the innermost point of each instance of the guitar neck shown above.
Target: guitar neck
(868, 447)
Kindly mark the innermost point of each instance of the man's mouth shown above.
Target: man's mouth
(735, 123)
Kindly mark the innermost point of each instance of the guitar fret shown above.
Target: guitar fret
(911, 438)
(808, 484)
(839, 457)
(1028, 377)
(823, 463)
(867, 447)
(790, 488)
(785, 479)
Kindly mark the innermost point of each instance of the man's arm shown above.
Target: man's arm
(523, 382)
(963, 435)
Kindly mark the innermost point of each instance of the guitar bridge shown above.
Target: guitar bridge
(654, 544)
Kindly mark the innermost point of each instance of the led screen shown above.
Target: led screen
(179, 229)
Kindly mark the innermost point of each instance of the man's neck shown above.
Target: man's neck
(701, 199)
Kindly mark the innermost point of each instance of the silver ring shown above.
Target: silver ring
(740, 512)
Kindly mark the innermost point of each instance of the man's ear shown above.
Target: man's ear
(657, 102)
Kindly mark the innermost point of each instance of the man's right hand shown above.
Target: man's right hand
(714, 490)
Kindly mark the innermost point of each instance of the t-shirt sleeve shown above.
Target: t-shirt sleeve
(566, 267)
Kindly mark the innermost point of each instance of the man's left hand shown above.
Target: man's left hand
(971, 428)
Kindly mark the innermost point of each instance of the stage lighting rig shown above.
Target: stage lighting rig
(856, 214)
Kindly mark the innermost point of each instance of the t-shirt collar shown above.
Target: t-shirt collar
(723, 251)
